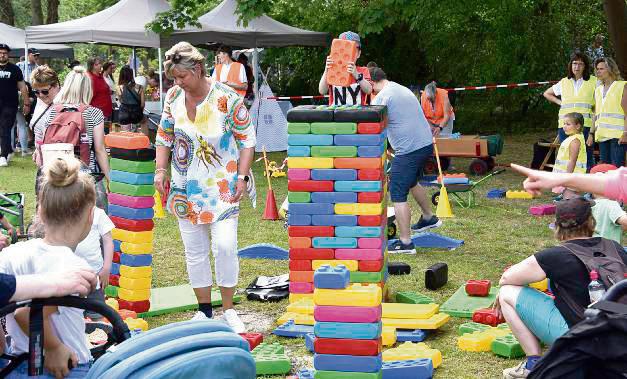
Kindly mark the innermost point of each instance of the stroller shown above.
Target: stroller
(188, 349)
(594, 348)
(12, 207)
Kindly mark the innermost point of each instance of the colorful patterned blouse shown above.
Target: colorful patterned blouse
(205, 153)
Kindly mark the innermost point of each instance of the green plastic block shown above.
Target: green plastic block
(299, 197)
(271, 359)
(298, 128)
(319, 374)
(136, 167)
(408, 297)
(366, 277)
(111, 291)
(471, 327)
(507, 346)
(131, 189)
(334, 151)
(462, 305)
(333, 128)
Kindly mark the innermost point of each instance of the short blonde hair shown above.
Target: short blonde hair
(44, 76)
(612, 67)
(183, 56)
(76, 87)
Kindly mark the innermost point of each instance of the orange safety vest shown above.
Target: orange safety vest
(437, 116)
(233, 76)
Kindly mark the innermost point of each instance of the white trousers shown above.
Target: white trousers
(223, 247)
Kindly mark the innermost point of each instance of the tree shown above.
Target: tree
(6, 12)
(52, 12)
(616, 13)
(37, 16)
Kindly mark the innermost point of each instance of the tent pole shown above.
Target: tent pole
(255, 64)
(133, 65)
(26, 73)
(160, 81)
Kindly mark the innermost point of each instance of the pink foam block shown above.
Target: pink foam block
(131, 201)
(542, 209)
(298, 174)
(370, 243)
(359, 254)
(331, 313)
(301, 287)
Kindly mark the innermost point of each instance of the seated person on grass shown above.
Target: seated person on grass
(532, 315)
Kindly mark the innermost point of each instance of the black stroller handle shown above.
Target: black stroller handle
(616, 291)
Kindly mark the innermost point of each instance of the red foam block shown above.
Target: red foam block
(478, 287)
(310, 185)
(370, 174)
(369, 197)
(114, 280)
(370, 266)
(300, 265)
(116, 257)
(370, 220)
(487, 316)
(253, 339)
(137, 306)
(370, 127)
(311, 231)
(133, 225)
(347, 346)
(311, 253)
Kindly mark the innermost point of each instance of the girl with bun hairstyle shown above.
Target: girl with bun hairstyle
(66, 201)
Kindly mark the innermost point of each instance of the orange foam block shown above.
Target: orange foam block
(343, 52)
(358, 163)
(127, 140)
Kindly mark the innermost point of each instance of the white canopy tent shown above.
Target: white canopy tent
(15, 38)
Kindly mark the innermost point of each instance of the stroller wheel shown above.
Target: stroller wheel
(435, 199)
(391, 230)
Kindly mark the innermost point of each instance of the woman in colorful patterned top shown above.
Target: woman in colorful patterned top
(206, 129)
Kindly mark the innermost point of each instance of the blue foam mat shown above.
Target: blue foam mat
(430, 240)
(263, 251)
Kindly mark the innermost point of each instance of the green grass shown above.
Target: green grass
(497, 233)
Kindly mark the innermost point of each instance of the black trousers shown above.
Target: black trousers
(7, 119)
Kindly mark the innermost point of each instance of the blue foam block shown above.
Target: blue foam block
(433, 241)
(138, 260)
(289, 329)
(131, 178)
(337, 277)
(305, 374)
(311, 208)
(310, 140)
(358, 231)
(298, 151)
(333, 243)
(356, 330)
(309, 341)
(357, 186)
(263, 251)
(417, 335)
(298, 220)
(421, 368)
(359, 139)
(131, 213)
(334, 174)
(448, 181)
(496, 193)
(370, 151)
(115, 268)
(334, 220)
(350, 363)
(333, 197)
(117, 245)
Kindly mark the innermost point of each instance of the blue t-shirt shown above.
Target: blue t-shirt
(408, 129)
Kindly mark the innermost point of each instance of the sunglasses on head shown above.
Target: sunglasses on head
(44, 92)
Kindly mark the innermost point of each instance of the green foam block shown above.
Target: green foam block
(131, 189)
(462, 305)
(178, 299)
(136, 167)
(408, 297)
(299, 197)
(333, 128)
(271, 359)
(507, 346)
(471, 327)
(366, 277)
(298, 128)
(111, 291)
(334, 151)
(320, 374)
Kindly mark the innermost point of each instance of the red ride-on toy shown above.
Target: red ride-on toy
(482, 148)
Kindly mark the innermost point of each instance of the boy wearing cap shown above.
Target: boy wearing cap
(532, 315)
(358, 93)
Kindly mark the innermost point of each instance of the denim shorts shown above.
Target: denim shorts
(539, 313)
(21, 372)
(406, 171)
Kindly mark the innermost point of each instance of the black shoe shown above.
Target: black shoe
(423, 224)
(398, 247)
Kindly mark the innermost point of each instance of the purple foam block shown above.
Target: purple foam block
(359, 254)
(369, 243)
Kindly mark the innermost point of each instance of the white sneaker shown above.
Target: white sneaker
(3, 162)
(199, 316)
(27, 152)
(233, 320)
(9, 157)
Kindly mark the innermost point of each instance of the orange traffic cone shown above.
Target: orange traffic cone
(270, 212)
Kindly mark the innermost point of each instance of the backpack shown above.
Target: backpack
(130, 112)
(604, 258)
(68, 126)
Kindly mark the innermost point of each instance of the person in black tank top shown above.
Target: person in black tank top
(132, 100)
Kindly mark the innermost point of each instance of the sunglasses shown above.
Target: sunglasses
(43, 92)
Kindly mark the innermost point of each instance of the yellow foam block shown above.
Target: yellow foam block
(136, 248)
(388, 336)
(303, 306)
(135, 272)
(309, 162)
(133, 237)
(408, 351)
(360, 209)
(113, 303)
(518, 195)
(299, 318)
(356, 295)
(351, 265)
(133, 295)
(432, 322)
(295, 297)
(542, 285)
(409, 311)
(136, 323)
(135, 283)
(480, 341)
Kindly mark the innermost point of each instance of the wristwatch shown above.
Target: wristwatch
(360, 77)
(245, 178)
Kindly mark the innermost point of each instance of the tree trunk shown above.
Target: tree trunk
(52, 17)
(616, 14)
(6, 12)
(37, 17)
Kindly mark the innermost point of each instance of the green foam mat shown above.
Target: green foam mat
(462, 305)
(136, 167)
(333, 128)
(179, 299)
(298, 128)
(334, 151)
(131, 189)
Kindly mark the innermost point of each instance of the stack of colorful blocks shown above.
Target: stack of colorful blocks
(347, 326)
(337, 192)
(131, 204)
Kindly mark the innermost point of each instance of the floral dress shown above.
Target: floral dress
(205, 153)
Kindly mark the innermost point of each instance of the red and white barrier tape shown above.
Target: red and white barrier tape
(468, 88)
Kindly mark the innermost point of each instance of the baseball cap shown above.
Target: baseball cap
(351, 36)
(573, 212)
(33, 51)
(4, 46)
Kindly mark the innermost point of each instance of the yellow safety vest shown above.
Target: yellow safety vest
(582, 102)
(610, 114)
(563, 155)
